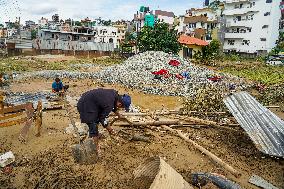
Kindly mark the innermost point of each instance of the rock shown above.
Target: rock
(6, 159)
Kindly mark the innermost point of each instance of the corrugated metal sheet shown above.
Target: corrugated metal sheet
(29, 97)
(264, 128)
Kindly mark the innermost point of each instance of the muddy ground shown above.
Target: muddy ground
(46, 162)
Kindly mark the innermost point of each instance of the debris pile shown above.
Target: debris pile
(208, 98)
(152, 72)
(164, 74)
(273, 95)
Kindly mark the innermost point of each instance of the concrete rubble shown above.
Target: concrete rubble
(137, 72)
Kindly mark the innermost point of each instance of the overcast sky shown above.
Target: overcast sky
(79, 9)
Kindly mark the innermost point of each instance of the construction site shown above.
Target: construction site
(189, 126)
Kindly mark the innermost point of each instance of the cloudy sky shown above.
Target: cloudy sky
(79, 9)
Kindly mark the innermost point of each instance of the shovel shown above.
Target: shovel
(83, 152)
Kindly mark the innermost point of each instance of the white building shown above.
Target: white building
(43, 22)
(106, 34)
(251, 26)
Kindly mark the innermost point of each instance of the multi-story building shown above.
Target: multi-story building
(3, 33)
(281, 22)
(106, 34)
(121, 31)
(30, 24)
(55, 18)
(199, 23)
(43, 22)
(165, 16)
(251, 26)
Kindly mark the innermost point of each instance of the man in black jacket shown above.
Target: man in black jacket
(94, 107)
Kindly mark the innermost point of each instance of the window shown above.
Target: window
(268, 1)
(267, 14)
(89, 38)
(264, 26)
(52, 35)
(231, 42)
(262, 39)
(239, 18)
(246, 42)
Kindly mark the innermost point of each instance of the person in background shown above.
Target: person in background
(58, 87)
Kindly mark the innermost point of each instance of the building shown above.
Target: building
(250, 26)
(165, 16)
(43, 22)
(199, 23)
(3, 33)
(106, 34)
(143, 17)
(121, 31)
(281, 22)
(69, 41)
(30, 24)
(55, 18)
(12, 33)
(190, 46)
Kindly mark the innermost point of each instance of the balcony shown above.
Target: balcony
(239, 11)
(245, 23)
(235, 1)
(235, 35)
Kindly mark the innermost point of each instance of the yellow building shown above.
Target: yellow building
(3, 33)
(190, 46)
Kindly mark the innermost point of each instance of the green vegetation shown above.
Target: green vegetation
(209, 53)
(255, 71)
(159, 38)
(34, 64)
(279, 45)
(34, 34)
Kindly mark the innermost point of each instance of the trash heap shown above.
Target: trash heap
(164, 74)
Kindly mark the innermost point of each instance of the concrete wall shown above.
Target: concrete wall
(72, 45)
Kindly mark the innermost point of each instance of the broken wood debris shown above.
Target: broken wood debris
(204, 151)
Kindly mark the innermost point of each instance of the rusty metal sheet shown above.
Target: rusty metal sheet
(264, 128)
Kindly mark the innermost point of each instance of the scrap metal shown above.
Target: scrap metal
(264, 128)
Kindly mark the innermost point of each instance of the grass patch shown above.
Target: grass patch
(255, 71)
(34, 64)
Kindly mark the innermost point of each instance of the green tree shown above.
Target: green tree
(279, 45)
(34, 34)
(78, 23)
(209, 53)
(159, 38)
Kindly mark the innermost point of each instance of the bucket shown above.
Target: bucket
(155, 173)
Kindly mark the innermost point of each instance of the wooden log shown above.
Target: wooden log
(38, 118)
(171, 112)
(10, 116)
(153, 123)
(206, 122)
(14, 122)
(12, 109)
(203, 150)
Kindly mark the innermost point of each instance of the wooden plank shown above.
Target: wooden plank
(11, 116)
(14, 122)
(12, 109)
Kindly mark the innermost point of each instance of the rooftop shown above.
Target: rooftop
(164, 13)
(184, 39)
(195, 19)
